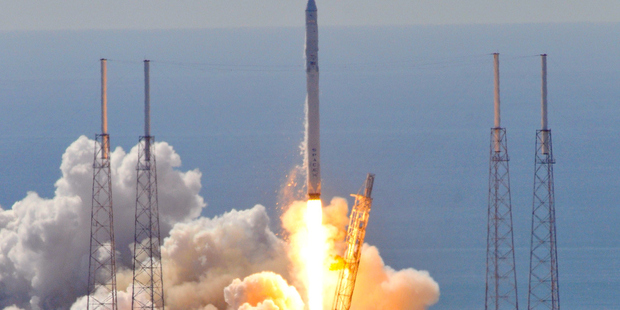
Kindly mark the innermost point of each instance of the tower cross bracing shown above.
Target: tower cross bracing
(544, 285)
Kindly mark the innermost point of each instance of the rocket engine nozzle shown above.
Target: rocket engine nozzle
(314, 196)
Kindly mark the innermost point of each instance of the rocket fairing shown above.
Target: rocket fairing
(313, 146)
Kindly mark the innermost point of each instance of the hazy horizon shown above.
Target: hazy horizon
(160, 14)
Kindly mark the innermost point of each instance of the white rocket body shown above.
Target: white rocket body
(313, 147)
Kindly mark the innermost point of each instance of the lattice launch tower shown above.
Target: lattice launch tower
(356, 232)
(102, 258)
(148, 289)
(501, 278)
(543, 279)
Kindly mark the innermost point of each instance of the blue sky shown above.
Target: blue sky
(163, 14)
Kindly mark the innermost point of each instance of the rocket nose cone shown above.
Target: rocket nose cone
(311, 6)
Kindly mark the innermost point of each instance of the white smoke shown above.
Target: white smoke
(202, 257)
(44, 243)
(233, 261)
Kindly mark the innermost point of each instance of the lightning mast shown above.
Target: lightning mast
(356, 232)
(501, 278)
(148, 289)
(102, 258)
(543, 279)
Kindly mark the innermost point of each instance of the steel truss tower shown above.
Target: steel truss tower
(102, 258)
(543, 279)
(501, 278)
(356, 232)
(148, 289)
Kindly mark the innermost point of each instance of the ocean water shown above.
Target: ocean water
(411, 104)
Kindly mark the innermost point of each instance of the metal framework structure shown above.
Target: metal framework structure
(356, 232)
(543, 279)
(102, 258)
(148, 289)
(501, 278)
(102, 262)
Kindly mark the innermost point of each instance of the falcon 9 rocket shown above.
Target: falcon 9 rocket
(313, 146)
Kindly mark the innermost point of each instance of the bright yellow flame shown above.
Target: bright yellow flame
(315, 254)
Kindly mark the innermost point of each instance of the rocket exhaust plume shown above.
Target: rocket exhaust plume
(315, 251)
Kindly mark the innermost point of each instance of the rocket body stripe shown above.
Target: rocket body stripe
(312, 103)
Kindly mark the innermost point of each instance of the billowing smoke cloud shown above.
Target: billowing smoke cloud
(203, 257)
(44, 242)
(262, 291)
(230, 262)
(377, 286)
(381, 287)
(206, 255)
